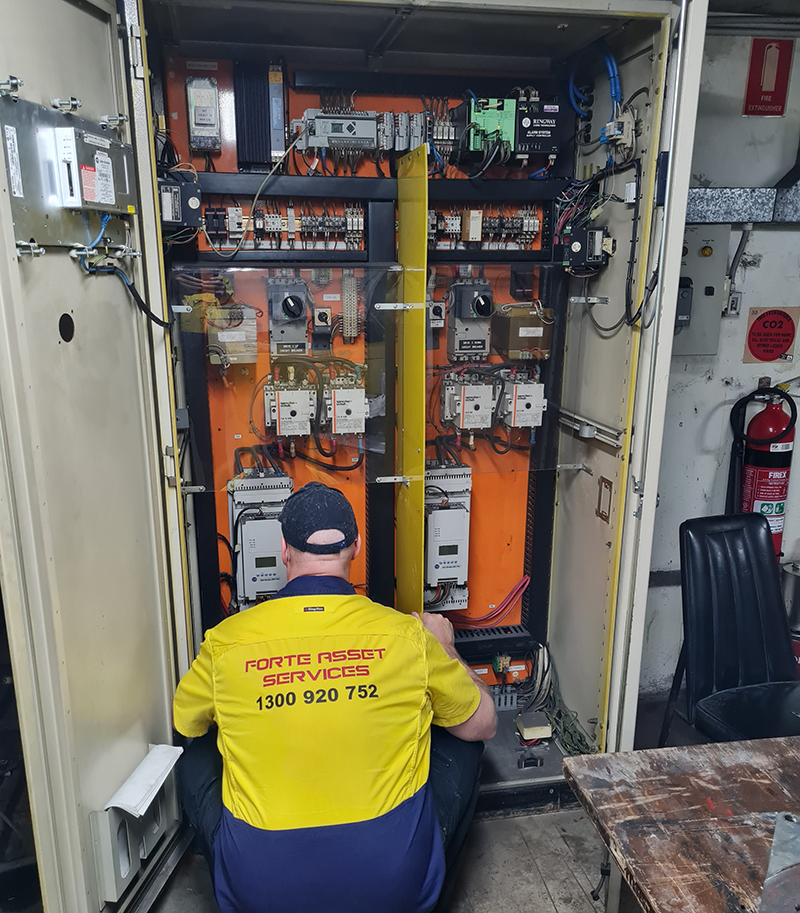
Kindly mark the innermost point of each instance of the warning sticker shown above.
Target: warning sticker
(104, 181)
(88, 183)
(14, 170)
(774, 511)
(771, 334)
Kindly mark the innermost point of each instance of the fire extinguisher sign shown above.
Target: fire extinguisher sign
(771, 334)
(768, 77)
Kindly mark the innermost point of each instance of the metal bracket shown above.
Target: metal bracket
(590, 301)
(30, 247)
(403, 480)
(10, 86)
(591, 429)
(113, 120)
(638, 489)
(192, 489)
(181, 309)
(396, 306)
(115, 253)
(67, 105)
(580, 467)
(136, 56)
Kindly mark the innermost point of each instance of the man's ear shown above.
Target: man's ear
(356, 547)
(284, 552)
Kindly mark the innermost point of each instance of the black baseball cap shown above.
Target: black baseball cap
(314, 507)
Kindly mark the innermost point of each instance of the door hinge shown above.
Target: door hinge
(135, 48)
(10, 86)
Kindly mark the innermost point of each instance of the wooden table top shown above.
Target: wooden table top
(691, 828)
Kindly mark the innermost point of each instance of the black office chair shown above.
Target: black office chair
(741, 675)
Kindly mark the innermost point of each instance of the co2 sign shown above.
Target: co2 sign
(771, 334)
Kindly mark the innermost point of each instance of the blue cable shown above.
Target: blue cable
(324, 166)
(105, 219)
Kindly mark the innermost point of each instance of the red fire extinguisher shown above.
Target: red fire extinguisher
(764, 457)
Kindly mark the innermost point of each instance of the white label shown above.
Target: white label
(531, 331)
(551, 109)
(481, 671)
(522, 668)
(202, 65)
(232, 336)
(104, 179)
(14, 171)
(781, 447)
(331, 297)
(100, 141)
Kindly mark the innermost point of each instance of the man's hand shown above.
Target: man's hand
(483, 723)
(440, 627)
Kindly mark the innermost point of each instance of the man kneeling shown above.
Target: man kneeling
(342, 773)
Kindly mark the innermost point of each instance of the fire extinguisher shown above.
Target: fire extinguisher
(758, 481)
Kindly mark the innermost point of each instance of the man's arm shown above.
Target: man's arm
(482, 725)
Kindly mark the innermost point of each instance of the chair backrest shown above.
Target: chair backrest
(734, 621)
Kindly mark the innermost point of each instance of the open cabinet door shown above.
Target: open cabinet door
(609, 402)
(90, 575)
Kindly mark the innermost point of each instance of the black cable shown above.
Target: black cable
(137, 298)
(332, 467)
(493, 153)
(636, 94)
(630, 319)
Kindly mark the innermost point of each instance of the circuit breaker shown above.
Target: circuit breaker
(522, 405)
(469, 329)
(287, 300)
(254, 505)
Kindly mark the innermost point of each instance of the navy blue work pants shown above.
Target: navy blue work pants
(454, 775)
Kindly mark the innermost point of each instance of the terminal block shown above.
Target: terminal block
(254, 505)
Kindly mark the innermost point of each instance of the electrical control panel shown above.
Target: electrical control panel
(254, 505)
(202, 99)
(702, 289)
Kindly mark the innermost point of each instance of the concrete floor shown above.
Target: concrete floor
(545, 863)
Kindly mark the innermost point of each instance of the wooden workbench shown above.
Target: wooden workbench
(690, 827)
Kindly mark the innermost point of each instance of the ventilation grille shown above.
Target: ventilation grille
(491, 633)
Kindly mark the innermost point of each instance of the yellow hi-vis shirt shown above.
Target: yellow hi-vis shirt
(324, 705)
